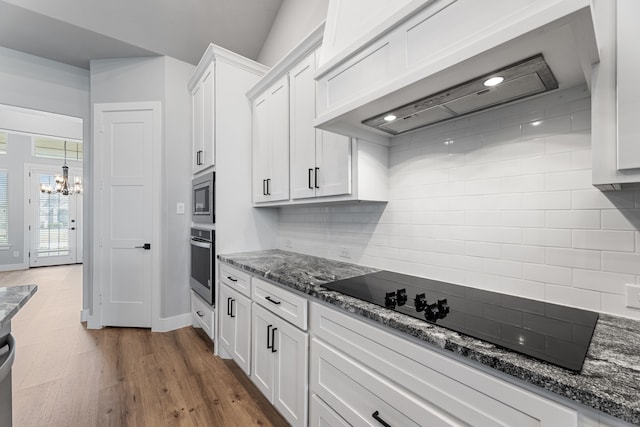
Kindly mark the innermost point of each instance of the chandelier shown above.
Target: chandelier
(62, 181)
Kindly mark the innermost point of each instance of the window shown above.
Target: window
(4, 136)
(53, 148)
(4, 209)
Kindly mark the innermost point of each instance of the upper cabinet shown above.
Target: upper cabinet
(412, 58)
(294, 163)
(213, 88)
(615, 96)
(271, 143)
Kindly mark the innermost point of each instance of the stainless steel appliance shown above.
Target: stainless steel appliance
(202, 263)
(7, 356)
(204, 199)
(550, 332)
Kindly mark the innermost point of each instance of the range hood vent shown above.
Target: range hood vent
(522, 79)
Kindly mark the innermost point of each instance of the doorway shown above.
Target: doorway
(54, 219)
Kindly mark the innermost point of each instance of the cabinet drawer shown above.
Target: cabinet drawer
(453, 387)
(203, 315)
(321, 415)
(361, 396)
(290, 307)
(236, 279)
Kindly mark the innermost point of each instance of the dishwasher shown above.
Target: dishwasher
(7, 355)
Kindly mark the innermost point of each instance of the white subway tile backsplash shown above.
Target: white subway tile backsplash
(573, 258)
(508, 207)
(523, 253)
(547, 273)
(601, 281)
(547, 200)
(547, 237)
(621, 262)
(604, 240)
(573, 180)
(573, 297)
(572, 219)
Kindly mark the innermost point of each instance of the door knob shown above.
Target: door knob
(146, 246)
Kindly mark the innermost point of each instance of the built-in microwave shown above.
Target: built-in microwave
(204, 199)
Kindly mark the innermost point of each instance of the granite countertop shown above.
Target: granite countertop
(609, 380)
(12, 299)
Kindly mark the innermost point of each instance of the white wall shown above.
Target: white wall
(507, 206)
(295, 20)
(160, 79)
(32, 82)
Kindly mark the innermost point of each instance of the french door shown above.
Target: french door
(55, 221)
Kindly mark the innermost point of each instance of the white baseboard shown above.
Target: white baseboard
(166, 324)
(12, 267)
(84, 314)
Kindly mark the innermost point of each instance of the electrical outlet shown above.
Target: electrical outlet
(287, 244)
(180, 208)
(633, 296)
(16, 254)
(344, 252)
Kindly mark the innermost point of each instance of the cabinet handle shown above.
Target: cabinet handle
(232, 313)
(376, 416)
(310, 172)
(268, 185)
(316, 178)
(232, 279)
(199, 313)
(264, 190)
(273, 340)
(229, 306)
(269, 346)
(268, 298)
(199, 157)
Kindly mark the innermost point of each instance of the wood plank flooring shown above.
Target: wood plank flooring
(66, 375)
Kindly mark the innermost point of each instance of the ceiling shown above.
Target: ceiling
(77, 31)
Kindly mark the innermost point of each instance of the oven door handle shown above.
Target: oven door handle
(205, 245)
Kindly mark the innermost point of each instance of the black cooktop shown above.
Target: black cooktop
(551, 332)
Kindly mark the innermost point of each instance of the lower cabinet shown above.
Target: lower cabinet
(280, 355)
(203, 315)
(235, 326)
(370, 376)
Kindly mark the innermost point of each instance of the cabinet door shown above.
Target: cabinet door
(333, 162)
(303, 134)
(261, 157)
(292, 350)
(208, 119)
(197, 102)
(227, 322)
(241, 309)
(278, 179)
(262, 360)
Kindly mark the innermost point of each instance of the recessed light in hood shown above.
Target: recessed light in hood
(522, 79)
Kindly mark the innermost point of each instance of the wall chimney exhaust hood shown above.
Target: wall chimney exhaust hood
(523, 79)
(430, 64)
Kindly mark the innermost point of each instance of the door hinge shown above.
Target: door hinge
(29, 256)
(29, 228)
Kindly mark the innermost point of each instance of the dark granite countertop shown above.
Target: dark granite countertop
(609, 380)
(12, 299)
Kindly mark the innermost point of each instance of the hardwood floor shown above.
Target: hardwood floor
(66, 375)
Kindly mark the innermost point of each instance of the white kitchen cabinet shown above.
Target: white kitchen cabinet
(202, 98)
(615, 135)
(321, 415)
(359, 369)
(235, 326)
(271, 143)
(320, 160)
(203, 315)
(279, 369)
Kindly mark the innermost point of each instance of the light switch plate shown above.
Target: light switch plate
(344, 252)
(633, 296)
(180, 208)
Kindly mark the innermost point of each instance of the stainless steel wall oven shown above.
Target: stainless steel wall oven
(203, 263)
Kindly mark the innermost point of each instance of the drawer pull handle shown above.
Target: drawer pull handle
(199, 313)
(232, 279)
(232, 314)
(273, 340)
(269, 346)
(268, 298)
(376, 416)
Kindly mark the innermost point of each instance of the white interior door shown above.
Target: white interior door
(55, 221)
(126, 213)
